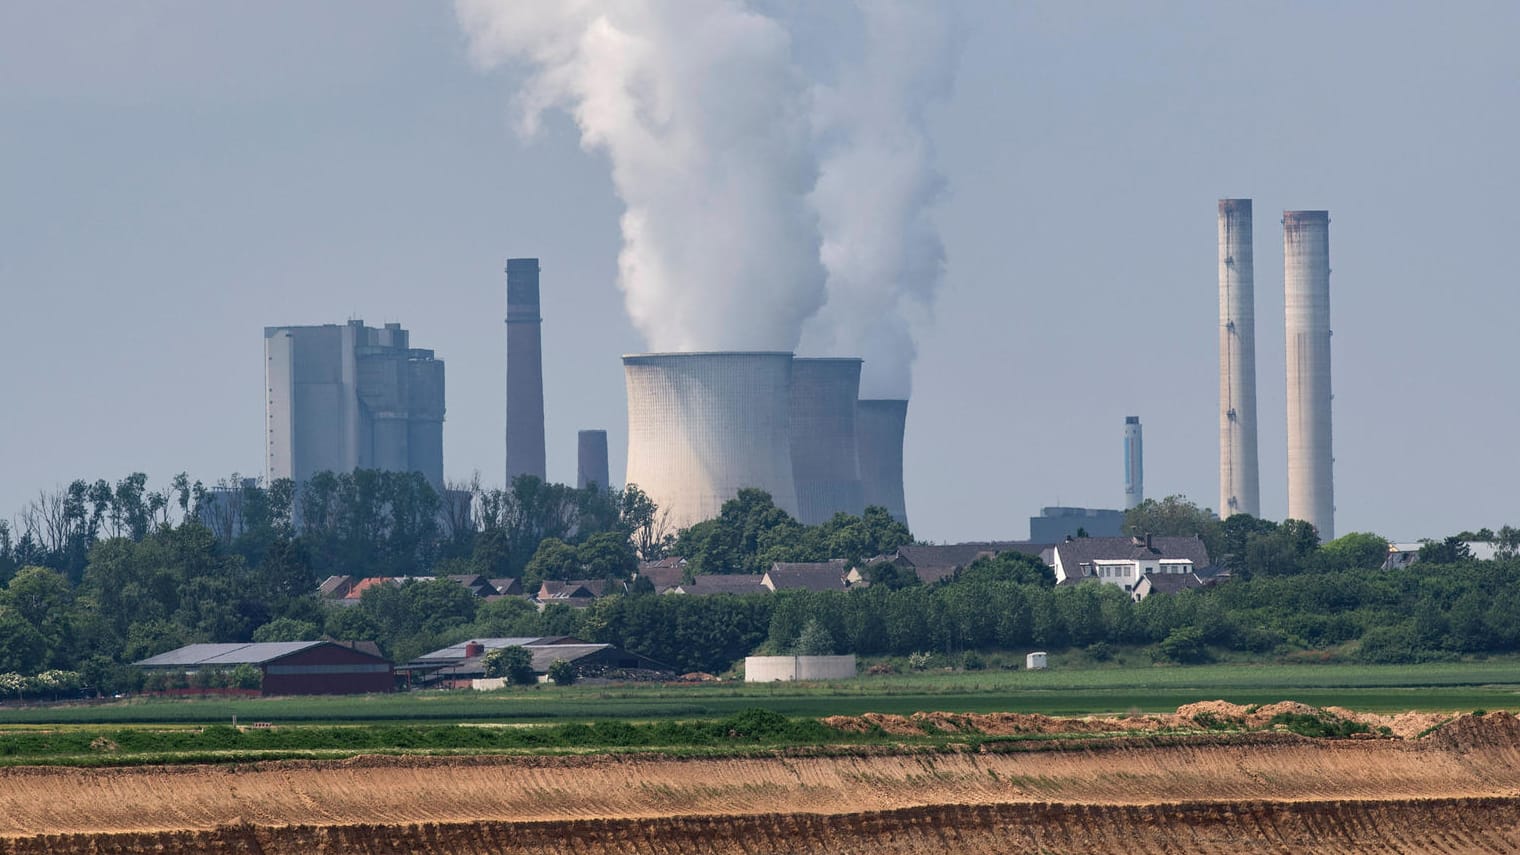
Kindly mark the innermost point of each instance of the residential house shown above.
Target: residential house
(807, 576)
(721, 583)
(1123, 561)
(1164, 583)
(936, 563)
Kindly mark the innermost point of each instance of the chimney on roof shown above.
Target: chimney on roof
(1148, 541)
(474, 649)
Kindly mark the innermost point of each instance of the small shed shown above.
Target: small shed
(1035, 661)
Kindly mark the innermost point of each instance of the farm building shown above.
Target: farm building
(289, 667)
(456, 665)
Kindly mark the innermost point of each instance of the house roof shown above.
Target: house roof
(1169, 583)
(931, 562)
(809, 576)
(1082, 550)
(553, 589)
(722, 583)
(363, 585)
(662, 575)
(507, 586)
(456, 652)
(545, 651)
(237, 653)
(334, 586)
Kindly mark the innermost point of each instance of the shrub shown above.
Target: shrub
(918, 660)
(1184, 645)
(562, 672)
(1100, 651)
(514, 663)
(245, 676)
(973, 661)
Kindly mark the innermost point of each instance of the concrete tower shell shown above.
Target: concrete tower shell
(1134, 463)
(1306, 299)
(525, 372)
(825, 463)
(702, 426)
(591, 459)
(1239, 476)
(880, 425)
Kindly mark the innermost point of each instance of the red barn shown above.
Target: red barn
(289, 667)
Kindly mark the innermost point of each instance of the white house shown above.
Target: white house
(1124, 561)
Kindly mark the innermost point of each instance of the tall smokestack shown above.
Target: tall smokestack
(591, 459)
(1134, 469)
(1239, 480)
(525, 372)
(825, 464)
(1306, 298)
(702, 426)
(879, 429)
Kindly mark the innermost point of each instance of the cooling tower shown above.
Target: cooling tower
(1134, 468)
(703, 425)
(591, 459)
(525, 371)
(1239, 478)
(825, 466)
(1306, 298)
(879, 428)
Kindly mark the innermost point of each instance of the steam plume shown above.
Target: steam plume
(705, 119)
(882, 250)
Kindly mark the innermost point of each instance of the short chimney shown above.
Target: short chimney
(474, 649)
(1148, 541)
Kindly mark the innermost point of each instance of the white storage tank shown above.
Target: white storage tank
(772, 669)
(1035, 661)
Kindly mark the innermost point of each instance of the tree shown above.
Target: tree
(1175, 516)
(1010, 567)
(515, 663)
(1449, 551)
(607, 555)
(287, 629)
(562, 672)
(815, 640)
(554, 559)
(1354, 551)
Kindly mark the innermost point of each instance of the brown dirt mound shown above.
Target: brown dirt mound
(1497, 732)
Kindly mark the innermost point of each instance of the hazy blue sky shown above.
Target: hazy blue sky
(176, 176)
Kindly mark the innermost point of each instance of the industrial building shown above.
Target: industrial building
(880, 427)
(288, 667)
(1057, 523)
(1239, 477)
(825, 463)
(341, 397)
(525, 372)
(702, 426)
(591, 459)
(1306, 301)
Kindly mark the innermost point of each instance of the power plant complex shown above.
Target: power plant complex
(1306, 301)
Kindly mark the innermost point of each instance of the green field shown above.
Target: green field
(1374, 688)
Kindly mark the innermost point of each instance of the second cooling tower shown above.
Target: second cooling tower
(879, 429)
(825, 465)
(701, 426)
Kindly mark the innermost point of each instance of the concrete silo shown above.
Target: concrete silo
(879, 429)
(1306, 299)
(591, 459)
(1239, 476)
(825, 465)
(525, 372)
(701, 426)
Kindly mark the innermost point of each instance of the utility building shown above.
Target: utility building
(341, 397)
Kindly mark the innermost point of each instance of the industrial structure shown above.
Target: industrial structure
(702, 426)
(1057, 523)
(880, 425)
(525, 372)
(1239, 477)
(591, 459)
(1134, 463)
(341, 397)
(825, 464)
(1306, 301)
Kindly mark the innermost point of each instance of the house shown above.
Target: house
(664, 573)
(1123, 561)
(576, 592)
(335, 587)
(935, 563)
(510, 586)
(457, 665)
(1164, 583)
(289, 667)
(721, 583)
(480, 586)
(806, 576)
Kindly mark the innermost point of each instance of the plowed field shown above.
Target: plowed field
(1455, 791)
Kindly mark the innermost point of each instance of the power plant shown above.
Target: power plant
(340, 397)
(825, 463)
(525, 372)
(701, 426)
(879, 428)
(1134, 463)
(1239, 483)
(1306, 301)
(591, 459)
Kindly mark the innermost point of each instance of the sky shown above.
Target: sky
(174, 176)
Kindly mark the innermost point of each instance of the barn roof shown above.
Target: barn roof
(236, 653)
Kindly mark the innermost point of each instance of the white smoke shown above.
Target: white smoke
(705, 119)
(876, 187)
(749, 187)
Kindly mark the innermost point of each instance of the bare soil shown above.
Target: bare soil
(1454, 790)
